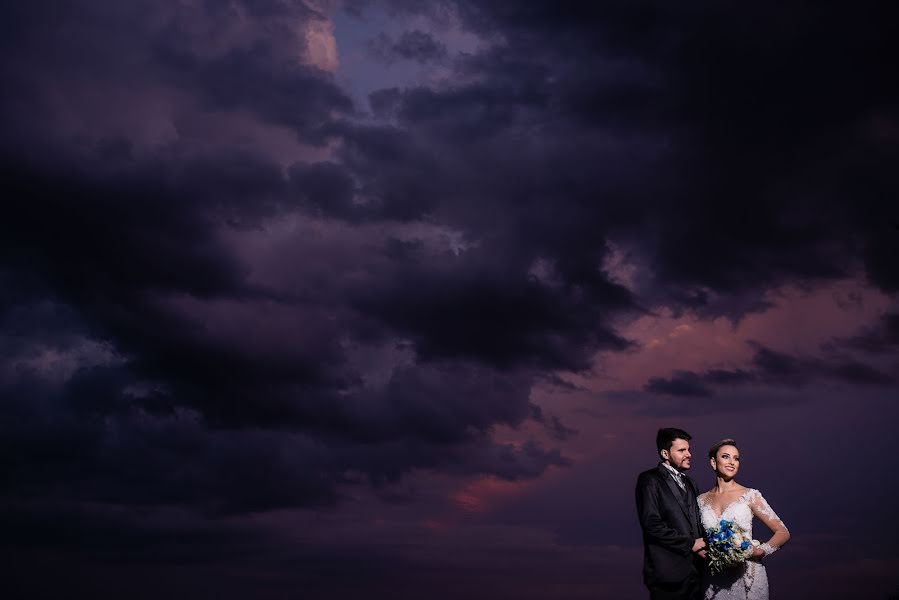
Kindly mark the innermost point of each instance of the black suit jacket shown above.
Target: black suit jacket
(670, 526)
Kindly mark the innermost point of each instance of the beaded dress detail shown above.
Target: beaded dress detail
(749, 581)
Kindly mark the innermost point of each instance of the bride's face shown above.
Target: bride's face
(726, 462)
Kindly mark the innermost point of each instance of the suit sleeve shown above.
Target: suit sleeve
(655, 529)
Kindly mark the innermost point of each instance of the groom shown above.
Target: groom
(673, 539)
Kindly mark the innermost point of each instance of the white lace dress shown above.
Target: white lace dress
(749, 581)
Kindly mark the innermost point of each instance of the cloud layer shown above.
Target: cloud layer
(229, 288)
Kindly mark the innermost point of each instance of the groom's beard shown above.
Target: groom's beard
(683, 467)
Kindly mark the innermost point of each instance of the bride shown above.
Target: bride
(732, 501)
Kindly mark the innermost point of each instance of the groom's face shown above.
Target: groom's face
(678, 456)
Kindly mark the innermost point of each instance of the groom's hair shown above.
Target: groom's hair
(666, 437)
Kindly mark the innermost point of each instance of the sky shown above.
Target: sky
(364, 299)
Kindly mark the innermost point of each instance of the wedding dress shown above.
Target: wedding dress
(748, 581)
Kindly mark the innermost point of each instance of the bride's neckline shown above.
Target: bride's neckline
(724, 510)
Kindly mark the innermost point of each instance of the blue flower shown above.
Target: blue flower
(744, 545)
(724, 523)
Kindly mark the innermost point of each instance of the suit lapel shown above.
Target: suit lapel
(675, 492)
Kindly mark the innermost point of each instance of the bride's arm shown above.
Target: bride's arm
(764, 512)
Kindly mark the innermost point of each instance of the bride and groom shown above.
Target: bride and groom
(674, 517)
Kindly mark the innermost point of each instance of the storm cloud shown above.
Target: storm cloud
(231, 287)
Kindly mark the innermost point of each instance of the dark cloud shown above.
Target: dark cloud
(773, 368)
(148, 365)
(784, 369)
(103, 438)
(466, 307)
(384, 102)
(226, 293)
(416, 45)
(778, 367)
(670, 406)
(552, 423)
(180, 404)
(682, 383)
(94, 447)
(724, 377)
(149, 231)
(699, 103)
(291, 94)
(883, 338)
(861, 374)
(141, 72)
(326, 188)
(528, 170)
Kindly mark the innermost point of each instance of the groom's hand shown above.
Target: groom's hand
(698, 546)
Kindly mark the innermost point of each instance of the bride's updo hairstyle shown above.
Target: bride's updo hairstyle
(713, 452)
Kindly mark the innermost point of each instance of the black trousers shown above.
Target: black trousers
(688, 589)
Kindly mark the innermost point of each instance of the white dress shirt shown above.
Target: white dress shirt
(678, 476)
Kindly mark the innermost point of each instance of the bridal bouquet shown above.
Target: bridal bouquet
(728, 546)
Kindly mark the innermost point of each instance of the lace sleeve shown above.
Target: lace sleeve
(764, 512)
